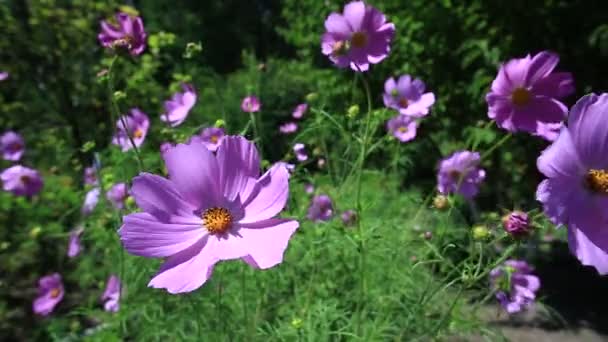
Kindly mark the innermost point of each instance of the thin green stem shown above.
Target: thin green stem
(256, 133)
(495, 146)
(246, 320)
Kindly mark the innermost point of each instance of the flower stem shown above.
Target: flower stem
(256, 133)
(246, 320)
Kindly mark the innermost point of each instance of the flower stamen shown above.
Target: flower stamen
(217, 220)
(597, 181)
(55, 292)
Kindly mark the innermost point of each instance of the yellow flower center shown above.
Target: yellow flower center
(55, 292)
(138, 133)
(214, 139)
(403, 103)
(402, 129)
(217, 220)
(597, 181)
(358, 39)
(521, 96)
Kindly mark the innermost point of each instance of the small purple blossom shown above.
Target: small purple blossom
(212, 137)
(349, 217)
(288, 128)
(90, 201)
(21, 181)
(526, 94)
(407, 96)
(402, 127)
(251, 104)
(90, 176)
(515, 285)
(74, 245)
(4, 75)
(117, 195)
(111, 295)
(358, 37)
(300, 151)
(321, 209)
(179, 106)
(135, 125)
(50, 293)
(12, 146)
(128, 34)
(460, 173)
(309, 188)
(299, 111)
(516, 223)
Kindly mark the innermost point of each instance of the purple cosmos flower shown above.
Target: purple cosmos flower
(4, 75)
(111, 295)
(177, 109)
(213, 207)
(251, 104)
(407, 96)
(50, 293)
(21, 181)
(212, 137)
(321, 209)
(402, 127)
(12, 146)
(288, 128)
(309, 188)
(515, 284)
(526, 92)
(136, 125)
(128, 34)
(516, 223)
(300, 151)
(300, 110)
(349, 217)
(117, 195)
(575, 192)
(90, 176)
(460, 173)
(357, 37)
(90, 201)
(74, 246)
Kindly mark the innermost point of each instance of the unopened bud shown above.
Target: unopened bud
(481, 233)
(441, 202)
(516, 223)
(312, 97)
(352, 111)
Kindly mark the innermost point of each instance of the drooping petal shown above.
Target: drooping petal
(268, 197)
(587, 252)
(267, 241)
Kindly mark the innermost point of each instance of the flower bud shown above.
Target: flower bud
(481, 233)
(312, 97)
(353, 111)
(441, 202)
(516, 223)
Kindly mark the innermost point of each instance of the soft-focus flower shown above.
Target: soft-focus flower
(321, 163)
(21, 181)
(12, 146)
(575, 192)
(516, 223)
(213, 207)
(111, 295)
(135, 125)
(90, 176)
(74, 245)
(50, 293)
(288, 128)
(321, 209)
(117, 195)
(407, 96)
(515, 285)
(525, 94)
(300, 151)
(309, 188)
(251, 104)
(128, 34)
(349, 217)
(90, 201)
(358, 37)
(212, 137)
(460, 173)
(300, 110)
(402, 127)
(4, 75)
(178, 108)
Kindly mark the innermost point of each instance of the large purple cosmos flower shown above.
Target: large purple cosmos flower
(128, 34)
(74, 245)
(526, 92)
(21, 181)
(178, 108)
(135, 125)
(402, 127)
(12, 146)
(300, 110)
(111, 295)
(117, 195)
(321, 208)
(50, 293)
(251, 104)
(575, 192)
(515, 285)
(407, 96)
(212, 137)
(460, 173)
(212, 208)
(358, 37)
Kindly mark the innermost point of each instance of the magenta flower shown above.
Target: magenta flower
(12, 146)
(349, 217)
(251, 104)
(321, 209)
(50, 293)
(407, 96)
(300, 151)
(517, 223)
(288, 128)
(357, 37)
(526, 93)
(21, 181)
(135, 125)
(402, 127)
(90, 176)
(212, 137)
(460, 173)
(74, 245)
(178, 108)
(4, 75)
(212, 208)
(90, 201)
(574, 193)
(111, 295)
(128, 34)
(117, 195)
(515, 284)
(300, 110)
